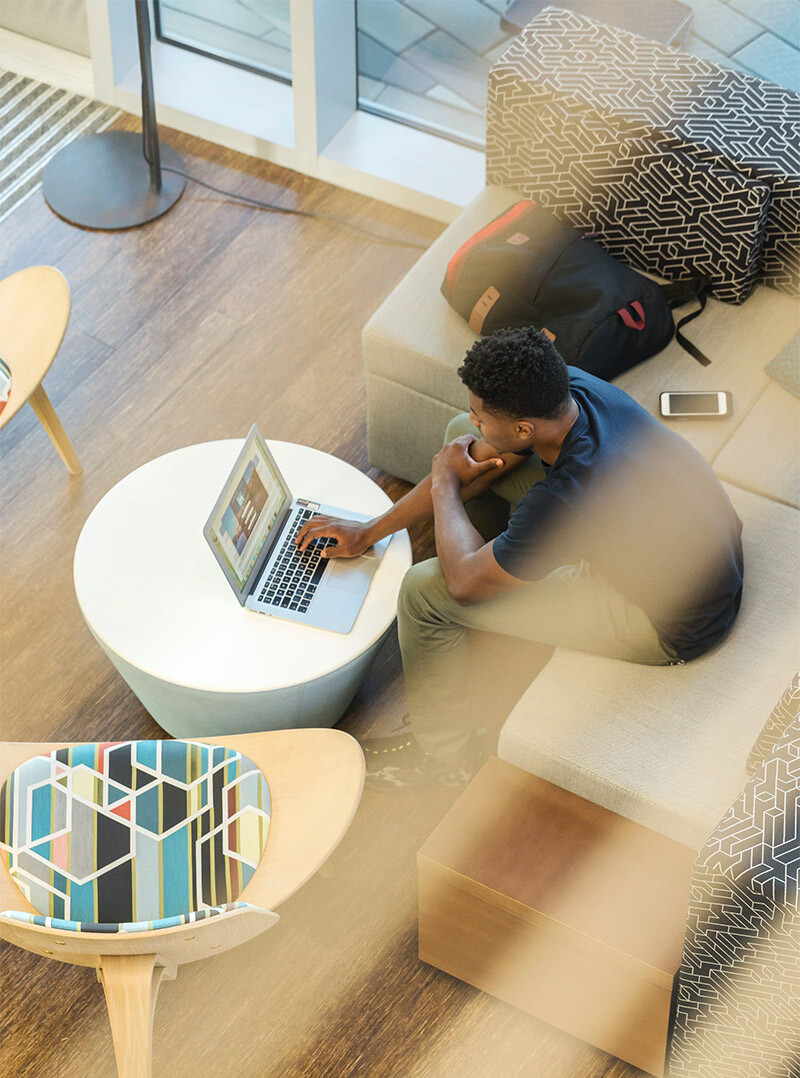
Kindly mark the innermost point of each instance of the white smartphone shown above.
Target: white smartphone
(696, 405)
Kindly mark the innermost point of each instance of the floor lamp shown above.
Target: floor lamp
(114, 180)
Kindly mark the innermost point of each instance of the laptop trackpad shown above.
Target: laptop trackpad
(349, 574)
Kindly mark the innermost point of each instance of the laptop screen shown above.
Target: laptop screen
(247, 512)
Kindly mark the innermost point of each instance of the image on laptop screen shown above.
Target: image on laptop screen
(252, 502)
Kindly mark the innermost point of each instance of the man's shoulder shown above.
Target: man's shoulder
(621, 426)
(595, 387)
(588, 389)
(583, 378)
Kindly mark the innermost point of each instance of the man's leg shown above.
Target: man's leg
(572, 607)
(489, 512)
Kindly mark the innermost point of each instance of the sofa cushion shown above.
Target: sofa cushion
(736, 1009)
(615, 98)
(667, 746)
(697, 199)
(737, 340)
(785, 367)
(762, 453)
(650, 205)
(415, 339)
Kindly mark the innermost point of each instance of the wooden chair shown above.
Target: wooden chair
(315, 782)
(34, 315)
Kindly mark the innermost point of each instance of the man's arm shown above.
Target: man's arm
(476, 474)
(468, 563)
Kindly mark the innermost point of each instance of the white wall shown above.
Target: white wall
(55, 22)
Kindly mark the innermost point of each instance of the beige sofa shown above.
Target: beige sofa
(664, 747)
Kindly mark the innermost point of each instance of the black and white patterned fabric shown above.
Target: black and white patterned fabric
(677, 164)
(785, 712)
(737, 1006)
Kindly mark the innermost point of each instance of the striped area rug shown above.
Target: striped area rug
(36, 120)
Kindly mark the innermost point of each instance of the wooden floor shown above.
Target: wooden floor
(184, 331)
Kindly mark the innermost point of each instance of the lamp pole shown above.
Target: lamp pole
(149, 126)
(114, 180)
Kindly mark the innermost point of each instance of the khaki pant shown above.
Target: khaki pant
(572, 607)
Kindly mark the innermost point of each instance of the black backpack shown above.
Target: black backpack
(528, 268)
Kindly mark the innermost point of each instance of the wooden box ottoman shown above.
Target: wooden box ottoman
(559, 907)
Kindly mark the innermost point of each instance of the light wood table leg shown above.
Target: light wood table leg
(131, 985)
(41, 405)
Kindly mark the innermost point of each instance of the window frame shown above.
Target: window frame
(221, 55)
(313, 126)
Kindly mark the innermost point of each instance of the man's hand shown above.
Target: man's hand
(352, 537)
(455, 462)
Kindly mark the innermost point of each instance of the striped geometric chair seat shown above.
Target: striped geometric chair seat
(133, 836)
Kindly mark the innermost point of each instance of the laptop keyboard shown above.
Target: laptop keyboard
(295, 575)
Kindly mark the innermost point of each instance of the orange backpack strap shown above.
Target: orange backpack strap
(514, 213)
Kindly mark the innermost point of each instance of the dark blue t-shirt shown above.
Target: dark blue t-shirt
(636, 501)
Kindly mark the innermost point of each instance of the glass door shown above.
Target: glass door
(251, 34)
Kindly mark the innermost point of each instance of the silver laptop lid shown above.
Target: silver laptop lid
(248, 515)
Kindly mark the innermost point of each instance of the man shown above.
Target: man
(564, 513)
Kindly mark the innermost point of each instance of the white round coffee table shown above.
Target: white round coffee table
(159, 606)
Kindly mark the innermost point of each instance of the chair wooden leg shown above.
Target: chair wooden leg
(131, 985)
(41, 405)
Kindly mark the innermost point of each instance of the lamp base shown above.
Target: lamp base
(103, 181)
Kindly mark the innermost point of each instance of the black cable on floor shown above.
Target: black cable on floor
(271, 207)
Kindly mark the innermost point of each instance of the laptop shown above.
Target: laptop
(252, 530)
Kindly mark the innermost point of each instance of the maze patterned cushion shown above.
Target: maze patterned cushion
(578, 115)
(132, 831)
(129, 926)
(785, 712)
(737, 1002)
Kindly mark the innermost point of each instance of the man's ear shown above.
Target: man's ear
(524, 430)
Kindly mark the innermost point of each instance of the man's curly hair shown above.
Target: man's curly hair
(517, 373)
